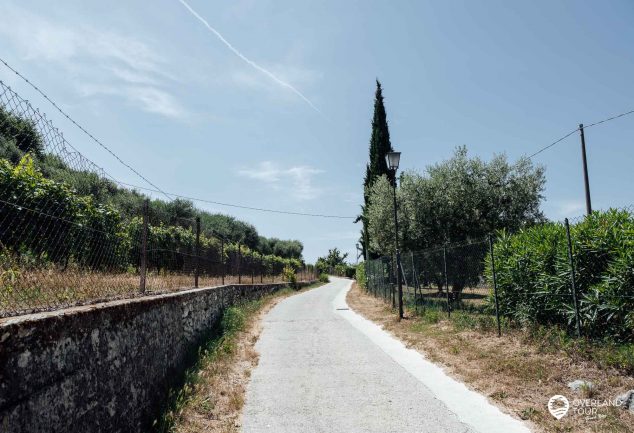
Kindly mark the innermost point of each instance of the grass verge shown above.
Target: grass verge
(212, 395)
(519, 371)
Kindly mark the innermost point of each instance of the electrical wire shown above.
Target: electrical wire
(155, 188)
(171, 195)
(577, 129)
(81, 127)
(260, 209)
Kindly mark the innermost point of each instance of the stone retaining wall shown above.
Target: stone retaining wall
(104, 367)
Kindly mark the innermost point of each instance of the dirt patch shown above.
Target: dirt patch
(516, 375)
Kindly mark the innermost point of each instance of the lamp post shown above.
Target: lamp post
(393, 159)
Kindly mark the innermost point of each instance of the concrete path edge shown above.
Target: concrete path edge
(469, 406)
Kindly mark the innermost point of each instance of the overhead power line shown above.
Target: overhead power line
(608, 119)
(155, 188)
(553, 143)
(202, 200)
(577, 129)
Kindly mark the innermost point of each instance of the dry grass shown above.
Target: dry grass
(27, 291)
(213, 397)
(516, 374)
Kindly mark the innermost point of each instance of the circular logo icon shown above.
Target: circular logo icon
(558, 406)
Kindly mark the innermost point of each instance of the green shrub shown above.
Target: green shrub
(360, 275)
(233, 320)
(430, 316)
(288, 273)
(340, 269)
(323, 278)
(85, 233)
(533, 274)
(49, 222)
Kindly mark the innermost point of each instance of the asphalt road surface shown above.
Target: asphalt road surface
(325, 369)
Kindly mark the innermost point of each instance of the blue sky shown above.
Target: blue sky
(154, 84)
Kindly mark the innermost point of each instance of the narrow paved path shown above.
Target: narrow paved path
(324, 369)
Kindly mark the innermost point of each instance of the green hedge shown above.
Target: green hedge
(46, 222)
(533, 274)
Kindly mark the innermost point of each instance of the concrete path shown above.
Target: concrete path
(325, 369)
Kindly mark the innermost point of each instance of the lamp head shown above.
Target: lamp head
(393, 159)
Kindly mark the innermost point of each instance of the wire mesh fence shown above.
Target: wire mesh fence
(63, 243)
(578, 275)
(448, 277)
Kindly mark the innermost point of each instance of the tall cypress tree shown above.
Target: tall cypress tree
(379, 147)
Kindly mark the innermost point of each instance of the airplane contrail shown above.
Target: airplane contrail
(249, 61)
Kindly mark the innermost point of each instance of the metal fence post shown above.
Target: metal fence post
(197, 270)
(261, 269)
(143, 267)
(393, 285)
(444, 257)
(572, 279)
(239, 270)
(495, 287)
(252, 268)
(222, 259)
(414, 281)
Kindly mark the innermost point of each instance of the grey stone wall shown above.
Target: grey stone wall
(105, 367)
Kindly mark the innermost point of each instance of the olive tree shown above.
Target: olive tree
(460, 199)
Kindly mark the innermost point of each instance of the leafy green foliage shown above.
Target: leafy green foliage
(533, 274)
(459, 200)
(20, 137)
(83, 225)
(329, 263)
(233, 320)
(360, 275)
(94, 235)
(380, 145)
(323, 278)
(283, 248)
(456, 200)
(289, 275)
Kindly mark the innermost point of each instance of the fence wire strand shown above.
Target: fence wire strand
(64, 243)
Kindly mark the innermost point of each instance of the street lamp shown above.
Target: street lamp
(393, 159)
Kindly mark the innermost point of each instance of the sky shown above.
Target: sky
(270, 106)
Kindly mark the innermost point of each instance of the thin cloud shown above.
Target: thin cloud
(150, 99)
(265, 172)
(297, 180)
(247, 60)
(101, 62)
(568, 209)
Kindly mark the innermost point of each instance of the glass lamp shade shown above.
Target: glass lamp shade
(393, 159)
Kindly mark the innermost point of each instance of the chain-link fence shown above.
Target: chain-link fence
(426, 274)
(70, 234)
(578, 275)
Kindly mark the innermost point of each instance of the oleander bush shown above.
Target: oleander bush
(534, 279)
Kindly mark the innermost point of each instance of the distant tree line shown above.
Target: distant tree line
(20, 137)
(335, 263)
